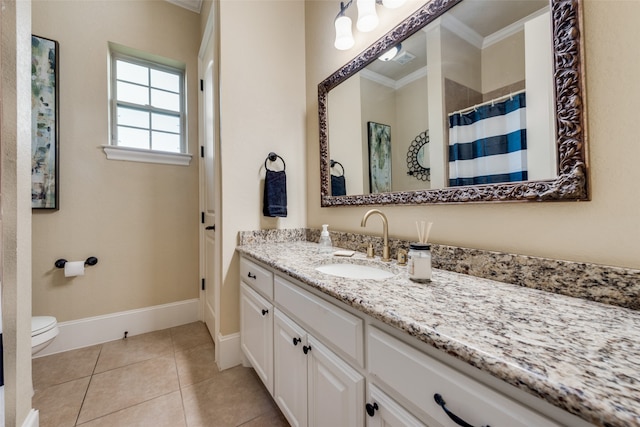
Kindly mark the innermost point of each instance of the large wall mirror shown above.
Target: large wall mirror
(464, 101)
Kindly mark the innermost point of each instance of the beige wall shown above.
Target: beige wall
(605, 230)
(262, 107)
(461, 61)
(139, 219)
(345, 135)
(503, 63)
(15, 157)
(413, 118)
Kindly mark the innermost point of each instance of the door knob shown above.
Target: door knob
(210, 227)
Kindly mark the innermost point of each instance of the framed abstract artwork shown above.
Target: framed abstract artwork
(379, 157)
(45, 144)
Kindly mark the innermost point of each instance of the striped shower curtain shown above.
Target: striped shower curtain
(489, 144)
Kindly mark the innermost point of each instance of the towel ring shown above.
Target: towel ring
(272, 157)
(333, 163)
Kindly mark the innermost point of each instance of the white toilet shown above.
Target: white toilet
(43, 330)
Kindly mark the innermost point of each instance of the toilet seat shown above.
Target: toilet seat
(43, 330)
(41, 324)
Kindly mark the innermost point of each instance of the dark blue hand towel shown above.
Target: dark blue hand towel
(275, 194)
(338, 186)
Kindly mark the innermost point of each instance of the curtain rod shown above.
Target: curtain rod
(498, 99)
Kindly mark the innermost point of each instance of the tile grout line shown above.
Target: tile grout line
(172, 351)
(184, 410)
(179, 343)
(88, 385)
(124, 409)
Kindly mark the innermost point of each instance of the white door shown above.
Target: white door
(290, 369)
(335, 389)
(256, 333)
(209, 194)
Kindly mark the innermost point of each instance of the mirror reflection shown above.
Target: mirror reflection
(477, 81)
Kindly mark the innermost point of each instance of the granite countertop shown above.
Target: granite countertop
(579, 355)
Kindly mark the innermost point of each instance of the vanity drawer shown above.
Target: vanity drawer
(338, 328)
(418, 377)
(257, 277)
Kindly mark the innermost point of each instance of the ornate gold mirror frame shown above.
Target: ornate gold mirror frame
(571, 183)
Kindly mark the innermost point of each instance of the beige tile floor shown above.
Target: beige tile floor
(164, 378)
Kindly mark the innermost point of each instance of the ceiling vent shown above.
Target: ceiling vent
(404, 58)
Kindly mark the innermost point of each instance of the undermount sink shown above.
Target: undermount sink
(355, 271)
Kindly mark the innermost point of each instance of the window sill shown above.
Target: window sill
(147, 156)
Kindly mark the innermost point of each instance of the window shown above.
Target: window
(148, 107)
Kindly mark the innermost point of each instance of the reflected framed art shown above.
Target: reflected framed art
(45, 124)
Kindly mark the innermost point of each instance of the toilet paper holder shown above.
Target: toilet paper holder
(90, 261)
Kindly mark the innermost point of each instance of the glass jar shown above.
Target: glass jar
(419, 265)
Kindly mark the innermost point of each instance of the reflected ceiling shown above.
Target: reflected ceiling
(472, 20)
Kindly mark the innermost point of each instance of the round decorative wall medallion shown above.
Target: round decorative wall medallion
(417, 157)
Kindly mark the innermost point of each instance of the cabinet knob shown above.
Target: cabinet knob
(371, 409)
(456, 419)
(264, 312)
(251, 276)
(296, 340)
(306, 349)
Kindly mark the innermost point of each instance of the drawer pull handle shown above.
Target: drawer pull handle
(456, 419)
(306, 349)
(296, 340)
(371, 409)
(251, 276)
(264, 311)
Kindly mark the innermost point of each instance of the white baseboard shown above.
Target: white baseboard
(228, 351)
(97, 330)
(33, 419)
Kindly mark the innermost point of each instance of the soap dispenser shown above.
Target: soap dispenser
(325, 246)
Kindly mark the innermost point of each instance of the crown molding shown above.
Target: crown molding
(192, 5)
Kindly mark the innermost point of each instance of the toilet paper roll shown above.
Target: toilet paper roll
(74, 268)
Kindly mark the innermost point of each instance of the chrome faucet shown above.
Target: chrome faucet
(385, 231)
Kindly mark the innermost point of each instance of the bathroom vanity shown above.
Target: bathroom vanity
(350, 352)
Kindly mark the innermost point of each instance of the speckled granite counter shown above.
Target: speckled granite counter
(579, 355)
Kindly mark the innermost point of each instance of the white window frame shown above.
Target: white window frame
(114, 151)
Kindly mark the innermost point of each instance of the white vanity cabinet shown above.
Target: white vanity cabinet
(383, 411)
(256, 333)
(290, 391)
(330, 338)
(300, 367)
(419, 378)
(311, 354)
(256, 319)
(313, 387)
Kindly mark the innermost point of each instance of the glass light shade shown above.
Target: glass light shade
(344, 37)
(390, 54)
(367, 17)
(392, 4)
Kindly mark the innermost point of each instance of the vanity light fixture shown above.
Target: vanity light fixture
(367, 20)
(391, 53)
(367, 16)
(392, 4)
(344, 37)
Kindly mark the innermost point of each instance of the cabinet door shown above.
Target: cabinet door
(256, 333)
(336, 390)
(431, 386)
(290, 391)
(385, 412)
